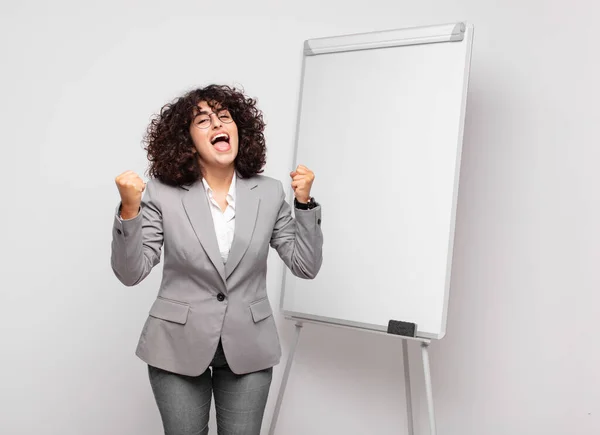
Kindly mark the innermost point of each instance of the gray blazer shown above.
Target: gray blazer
(200, 299)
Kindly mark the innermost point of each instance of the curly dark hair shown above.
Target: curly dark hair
(169, 145)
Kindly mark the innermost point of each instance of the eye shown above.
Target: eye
(202, 121)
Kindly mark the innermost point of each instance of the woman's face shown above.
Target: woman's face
(215, 136)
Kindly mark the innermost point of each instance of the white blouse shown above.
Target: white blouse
(224, 221)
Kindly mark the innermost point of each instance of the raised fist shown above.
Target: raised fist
(130, 187)
(302, 180)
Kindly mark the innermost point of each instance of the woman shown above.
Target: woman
(211, 330)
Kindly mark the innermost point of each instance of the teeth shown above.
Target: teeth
(218, 136)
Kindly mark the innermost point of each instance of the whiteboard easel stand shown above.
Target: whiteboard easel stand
(425, 342)
(447, 33)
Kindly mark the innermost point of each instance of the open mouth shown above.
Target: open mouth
(221, 137)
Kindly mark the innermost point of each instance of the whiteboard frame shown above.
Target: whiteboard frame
(443, 33)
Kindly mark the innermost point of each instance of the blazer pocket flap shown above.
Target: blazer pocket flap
(261, 309)
(170, 310)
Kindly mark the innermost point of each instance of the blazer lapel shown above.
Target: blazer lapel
(246, 211)
(197, 208)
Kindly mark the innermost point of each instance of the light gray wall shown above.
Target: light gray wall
(79, 83)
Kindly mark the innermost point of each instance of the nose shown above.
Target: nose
(216, 122)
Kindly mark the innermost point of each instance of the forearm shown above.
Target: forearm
(307, 255)
(131, 259)
(300, 244)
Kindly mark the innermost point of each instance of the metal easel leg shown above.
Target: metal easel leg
(407, 388)
(427, 372)
(286, 375)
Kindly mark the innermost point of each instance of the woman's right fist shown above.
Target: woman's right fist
(130, 187)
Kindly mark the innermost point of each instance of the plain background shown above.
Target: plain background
(80, 81)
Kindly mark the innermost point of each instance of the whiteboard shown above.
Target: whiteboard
(380, 122)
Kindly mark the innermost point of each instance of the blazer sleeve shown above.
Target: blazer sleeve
(137, 242)
(299, 240)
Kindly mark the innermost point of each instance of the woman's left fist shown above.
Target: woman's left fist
(302, 180)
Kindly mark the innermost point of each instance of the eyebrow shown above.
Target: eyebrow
(204, 112)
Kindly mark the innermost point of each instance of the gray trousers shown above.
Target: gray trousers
(184, 401)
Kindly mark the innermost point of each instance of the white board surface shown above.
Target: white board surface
(382, 130)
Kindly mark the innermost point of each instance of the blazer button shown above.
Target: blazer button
(220, 297)
(118, 231)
